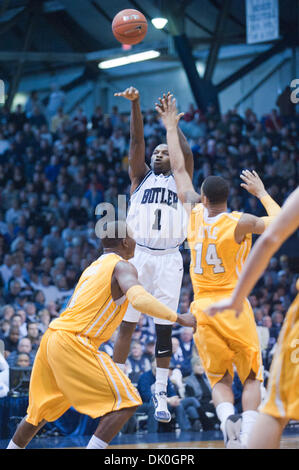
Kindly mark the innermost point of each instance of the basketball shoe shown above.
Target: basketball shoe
(231, 431)
(162, 413)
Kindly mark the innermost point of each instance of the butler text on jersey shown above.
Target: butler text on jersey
(160, 196)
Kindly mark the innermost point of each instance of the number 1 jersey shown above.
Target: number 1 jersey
(216, 258)
(156, 216)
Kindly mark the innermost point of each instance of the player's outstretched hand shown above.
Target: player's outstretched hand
(225, 304)
(253, 183)
(167, 110)
(130, 93)
(162, 101)
(187, 319)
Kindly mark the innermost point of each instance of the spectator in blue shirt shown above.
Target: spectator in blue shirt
(94, 195)
(137, 362)
(178, 359)
(52, 170)
(186, 342)
(197, 386)
(24, 346)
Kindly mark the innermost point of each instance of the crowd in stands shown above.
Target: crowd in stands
(56, 168)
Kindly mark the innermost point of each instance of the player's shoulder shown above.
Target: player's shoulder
(124, 266)
(198, 207)
(147, 177)
(234, 215)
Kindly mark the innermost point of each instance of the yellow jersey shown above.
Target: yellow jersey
(216, 258)
(91, 311)
(282, 399)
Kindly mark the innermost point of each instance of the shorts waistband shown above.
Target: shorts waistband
(157, 251)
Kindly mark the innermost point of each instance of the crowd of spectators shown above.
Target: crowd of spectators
(56, 168)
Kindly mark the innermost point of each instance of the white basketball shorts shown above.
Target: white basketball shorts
(161, 274)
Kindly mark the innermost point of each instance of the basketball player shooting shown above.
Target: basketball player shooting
(282, 399)
(220, 243)
(159, 224)
(69, 370)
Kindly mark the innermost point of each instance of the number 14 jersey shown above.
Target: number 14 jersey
(156, 216)
(216, 258)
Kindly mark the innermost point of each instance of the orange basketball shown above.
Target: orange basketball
(129, 26)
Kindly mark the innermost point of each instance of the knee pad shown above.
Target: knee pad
(163, 342)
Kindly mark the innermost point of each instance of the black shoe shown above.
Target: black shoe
(233, 431)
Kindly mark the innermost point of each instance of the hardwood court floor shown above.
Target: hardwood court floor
(190, 440)
(286, 443)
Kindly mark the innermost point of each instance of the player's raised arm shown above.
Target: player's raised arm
(187, 152)
(250, 223)
(127, 278)
(283, 226)
(170, 118)
(137, 165)
(254, 185)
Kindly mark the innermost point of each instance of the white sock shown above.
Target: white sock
(223, 411)
(121, 366)
(161, 380)
(248, 419)
(96, 443)
(12, 445)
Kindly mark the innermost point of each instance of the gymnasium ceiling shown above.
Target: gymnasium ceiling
(77, 27)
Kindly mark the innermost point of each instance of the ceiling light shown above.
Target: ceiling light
(129, 59)
(200, 68)
(159, 23)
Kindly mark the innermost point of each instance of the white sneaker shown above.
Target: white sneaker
(161, 411)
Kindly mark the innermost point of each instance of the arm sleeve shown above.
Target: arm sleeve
(268, 220)
(270, 205)
(146, 303)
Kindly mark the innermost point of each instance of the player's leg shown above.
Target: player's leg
(109, 426)
(25, 432)
(123, 341)
(217, 359)
(266, 432)
(251, 399)
(242, 338)
(248, 362)
(223, 399)
(281, 401)
(46, 402)
(166, 288)
(222, 391)
(97, 388)
(163, 353)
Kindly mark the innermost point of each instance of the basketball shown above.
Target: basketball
(129, 26)
(138, 165)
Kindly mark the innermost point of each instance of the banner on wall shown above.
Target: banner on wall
(262, 20)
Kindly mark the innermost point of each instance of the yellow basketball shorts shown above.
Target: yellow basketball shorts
(225, 342)
(282, 397)
(70, 371)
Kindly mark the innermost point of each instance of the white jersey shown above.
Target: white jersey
(156, 216)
